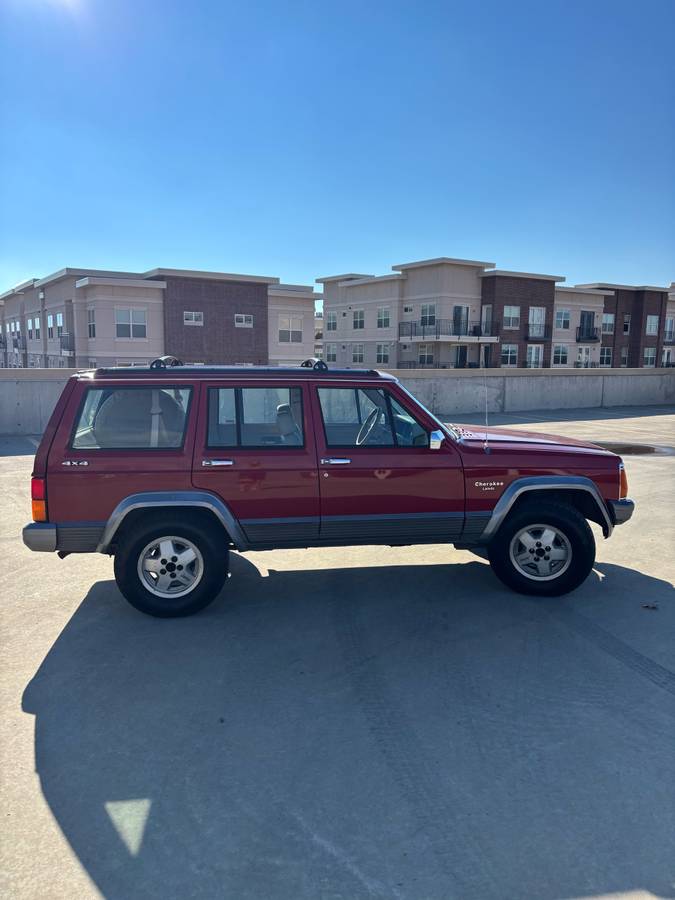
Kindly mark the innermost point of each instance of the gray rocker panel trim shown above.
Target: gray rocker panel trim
(545, 483)
(158, 499)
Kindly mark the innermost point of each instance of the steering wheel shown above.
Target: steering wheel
(367, 427)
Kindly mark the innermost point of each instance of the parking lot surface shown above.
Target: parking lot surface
(346, 723)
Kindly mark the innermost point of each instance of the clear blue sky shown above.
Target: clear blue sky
(306, 139)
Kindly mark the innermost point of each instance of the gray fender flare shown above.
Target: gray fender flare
(545, 483)
(159, 499)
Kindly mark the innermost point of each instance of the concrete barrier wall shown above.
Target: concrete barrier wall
(27, 396)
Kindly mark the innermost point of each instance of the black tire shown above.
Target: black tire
(210, 544)
(570, 525)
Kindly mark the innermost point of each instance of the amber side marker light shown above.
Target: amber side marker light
(623, 482)
(38, 499)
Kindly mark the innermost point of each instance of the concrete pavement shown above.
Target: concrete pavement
(345, 723)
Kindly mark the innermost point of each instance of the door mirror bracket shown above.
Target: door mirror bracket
(436, 438)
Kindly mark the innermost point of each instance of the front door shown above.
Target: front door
(255, 449)
(535, 354)
(378, 478)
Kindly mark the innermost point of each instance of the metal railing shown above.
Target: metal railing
(448, 328)
(586, 335)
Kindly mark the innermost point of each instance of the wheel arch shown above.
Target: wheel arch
(577, 491)
(201, 504)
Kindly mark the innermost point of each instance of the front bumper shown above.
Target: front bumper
(40, 536)
(621, 510)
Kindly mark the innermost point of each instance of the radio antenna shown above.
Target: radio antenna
(486, 445)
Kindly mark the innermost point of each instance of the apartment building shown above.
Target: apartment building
(457, 313)
(84, 317)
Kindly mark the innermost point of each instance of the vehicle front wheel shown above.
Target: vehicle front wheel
(171, 568)
(543, 548)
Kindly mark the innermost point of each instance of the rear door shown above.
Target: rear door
(255, 449)
(379, 480)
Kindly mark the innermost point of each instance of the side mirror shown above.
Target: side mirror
(436, 438)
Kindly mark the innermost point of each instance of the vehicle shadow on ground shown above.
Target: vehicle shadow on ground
(394, 731)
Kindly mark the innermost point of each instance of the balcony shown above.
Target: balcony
(537, 332)
(447, 328)
(67, 343)
(587, 335)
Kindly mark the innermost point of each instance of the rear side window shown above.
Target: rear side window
(255, 417)
(132, 418)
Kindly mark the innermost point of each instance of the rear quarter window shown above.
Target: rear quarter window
(132, 418)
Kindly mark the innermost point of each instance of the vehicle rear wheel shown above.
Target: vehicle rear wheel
(543, 548)
(171, 568)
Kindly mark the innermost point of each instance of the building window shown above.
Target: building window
(358, 319)
(37, 328)
(92, 363)
(606, 356)
(59, 324)
(509, 355)
(331, 321)
(511, 317)
(667, 357)
(624, 357)
(534, 356)
(130, 323)
(193, 317)
(50, 327)
(562, 318)
(408, 309)
(425, 354)
(290, 329)
(626, 323)
(428, 315)
(29, 329)
(649, 359)
(560, 354)
(243, 320)
(330, 352)
(652, 325)
(383, 317)
(608, 323)
(357, 353)
(383, 353)
(91, 323)
(669, 330)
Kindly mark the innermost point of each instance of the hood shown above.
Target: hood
(499, 436)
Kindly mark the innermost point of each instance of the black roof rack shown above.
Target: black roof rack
(171, 367)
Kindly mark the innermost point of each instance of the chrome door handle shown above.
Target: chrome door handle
(208, 463)
(335, 461)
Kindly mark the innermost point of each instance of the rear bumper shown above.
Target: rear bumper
(40, 536)
(621, 510)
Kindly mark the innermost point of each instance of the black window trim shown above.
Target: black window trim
(239, 415)
(373, 447)
(130, 387)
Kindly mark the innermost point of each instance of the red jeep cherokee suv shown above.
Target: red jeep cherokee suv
(170, 466)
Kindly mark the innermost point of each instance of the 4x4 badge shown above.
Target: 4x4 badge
(75, 462)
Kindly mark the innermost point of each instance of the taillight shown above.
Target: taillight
(623, 482)
(38, 496)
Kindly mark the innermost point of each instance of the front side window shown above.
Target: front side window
(330, 352)
(383, 317)
(511, 317)
(243, 320)
(359, 319)
(357, 353)
(290, 329)
(91, 322)
(652, 325)
(428, 314)
(605, 356)
(255, 417)
(608, 323)
(133, 418)
(331, 321)
(382, 353)
(509, 356)
(649, 359)
(560, 355)
(193, 317)
(562, 318)
(368, 417)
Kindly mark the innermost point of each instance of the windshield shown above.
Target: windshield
(450, 429)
